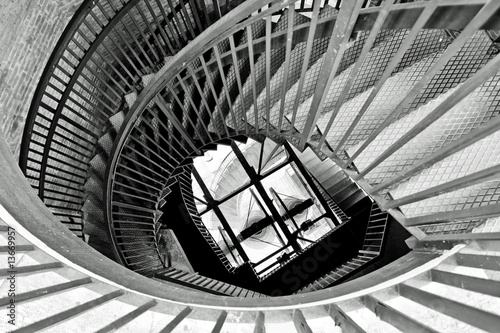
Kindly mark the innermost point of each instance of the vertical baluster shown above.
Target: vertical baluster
(177, 21)
(152, 31)
(203, 99)
(253, 76)
(224, 84)
(238, 80)
(167, 23)
(195, 108)
(305, 62)
(268, 72)
(164, 36)
(288, 51)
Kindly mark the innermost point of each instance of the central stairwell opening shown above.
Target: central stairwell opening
(259, 218)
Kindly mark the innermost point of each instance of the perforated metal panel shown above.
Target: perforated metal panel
(485, 153)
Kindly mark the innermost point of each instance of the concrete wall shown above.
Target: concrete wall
(29, 31)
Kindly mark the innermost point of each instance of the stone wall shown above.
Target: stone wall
(29, 31)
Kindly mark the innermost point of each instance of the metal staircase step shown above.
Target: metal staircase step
(398, 319)
(368, 252)
(471, 315)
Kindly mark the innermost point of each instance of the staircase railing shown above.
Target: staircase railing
(185, 183)
(370, 251)
(203, 283)
(376, 230)
(339, 213)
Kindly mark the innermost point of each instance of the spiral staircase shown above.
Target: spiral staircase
(391, 107)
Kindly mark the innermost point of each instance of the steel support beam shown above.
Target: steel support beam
(214, 205)
(255, 179)
(311, 184)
